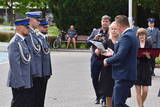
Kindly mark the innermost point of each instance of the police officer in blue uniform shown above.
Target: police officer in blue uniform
(154, 37)
(35, 48)
(46, 60)
(20, 79)
(96, 64)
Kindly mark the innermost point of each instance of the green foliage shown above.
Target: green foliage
(153, 5)
(63, 45)
(158, 60)
(83, 46)
(79, 45)
(53, 31)
(85, 14)
(7, 24)
(38, 3)
(5, 37)
(22, 6)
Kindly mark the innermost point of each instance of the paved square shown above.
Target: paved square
(70, 85)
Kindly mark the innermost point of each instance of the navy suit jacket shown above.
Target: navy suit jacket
(124, 60)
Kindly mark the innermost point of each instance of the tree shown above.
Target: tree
(8, 4)
(153, 5)
(85, 14)
(14, 6)
(40, 4)
(22, 6)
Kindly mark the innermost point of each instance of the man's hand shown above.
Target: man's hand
(98, 51)
(105, 62)
(109, 52)
(96, 37)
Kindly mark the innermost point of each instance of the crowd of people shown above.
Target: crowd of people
(29, 61)
(114, 72)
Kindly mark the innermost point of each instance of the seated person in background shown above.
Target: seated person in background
(71, 36)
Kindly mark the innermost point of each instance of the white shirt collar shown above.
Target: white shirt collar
(22, 37)
(126, 30)
(151, 28)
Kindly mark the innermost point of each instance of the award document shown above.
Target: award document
(154, 52)
(99, 45)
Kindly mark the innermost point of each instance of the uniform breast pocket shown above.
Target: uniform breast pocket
(36, 42)
(45, 45)
(26, 52)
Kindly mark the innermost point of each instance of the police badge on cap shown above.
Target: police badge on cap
(151, 20)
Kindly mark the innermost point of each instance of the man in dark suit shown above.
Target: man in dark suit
(154, 37)
(96, 64)
(123, 61)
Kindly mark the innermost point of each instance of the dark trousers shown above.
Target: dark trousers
(153, 65)
(96, 66)
(121, 92)
(39, 86)
(22, 97)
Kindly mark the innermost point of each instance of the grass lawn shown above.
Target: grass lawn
(7, 24)
(53, 31)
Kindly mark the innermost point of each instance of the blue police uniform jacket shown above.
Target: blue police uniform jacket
(45, 54)
(19, 62)
(154, 37)
(35, 48)
(124, 61)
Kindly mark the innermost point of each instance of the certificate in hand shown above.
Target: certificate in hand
(105, 52)
(99, 45)
(154, 52)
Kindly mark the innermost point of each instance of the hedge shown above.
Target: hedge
(158, 60)
(5, 37)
